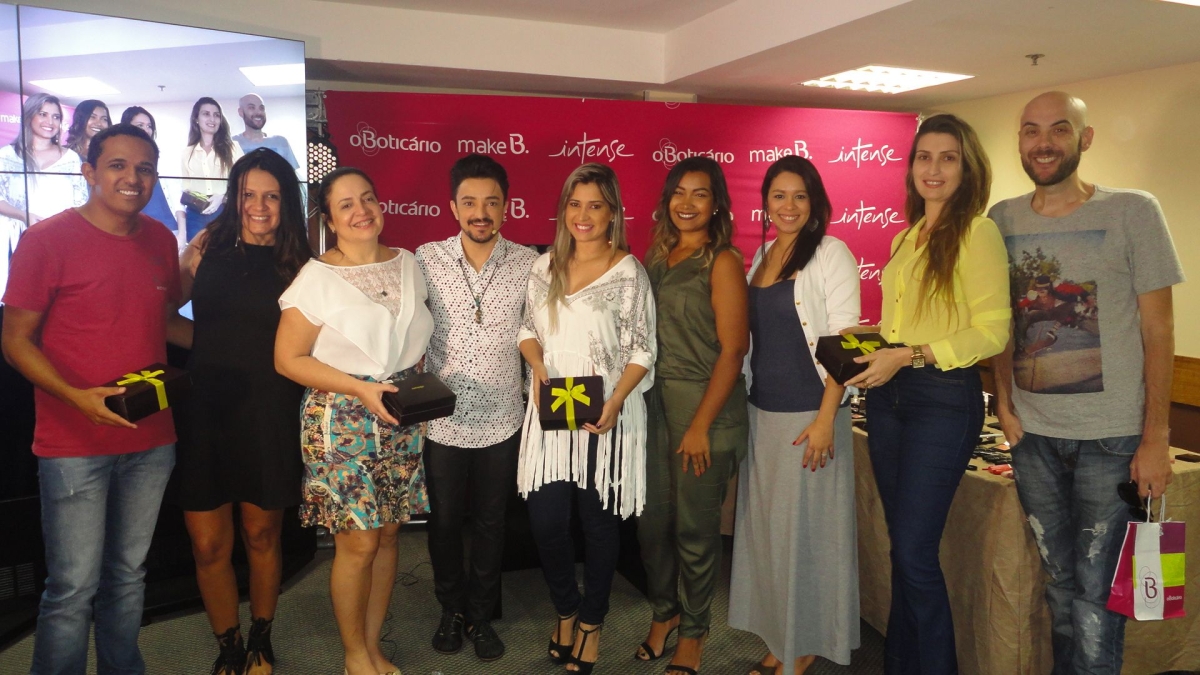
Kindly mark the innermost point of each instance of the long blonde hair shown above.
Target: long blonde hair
(604, 178)
(947, 235)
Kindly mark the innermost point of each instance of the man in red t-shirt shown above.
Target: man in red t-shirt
(92, 294)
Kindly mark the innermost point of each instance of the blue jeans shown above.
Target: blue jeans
(98, 515)
(922, 426)
(1069, 491)
(550, 520)
(197, 221)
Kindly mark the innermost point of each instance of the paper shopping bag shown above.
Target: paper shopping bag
(1148, 584)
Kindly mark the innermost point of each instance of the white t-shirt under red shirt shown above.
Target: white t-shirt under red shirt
(103, 298)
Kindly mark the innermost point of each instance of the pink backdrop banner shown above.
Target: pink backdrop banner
(408, 142)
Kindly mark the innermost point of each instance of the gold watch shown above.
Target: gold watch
(918, 357)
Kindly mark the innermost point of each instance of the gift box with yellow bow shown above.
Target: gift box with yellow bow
(421, 397)
(837, 353)
(571, 402)
(148, 390)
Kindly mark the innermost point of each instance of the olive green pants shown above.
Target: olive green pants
(680, 527)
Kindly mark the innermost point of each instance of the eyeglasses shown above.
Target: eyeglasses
(1137, 506)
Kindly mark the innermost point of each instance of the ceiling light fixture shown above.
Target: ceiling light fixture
(81, 87)
(884, 79)
(1193, 3)
(267, 76)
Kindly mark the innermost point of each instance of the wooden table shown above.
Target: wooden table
(997, 587)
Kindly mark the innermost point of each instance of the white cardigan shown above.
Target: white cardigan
(826, 295)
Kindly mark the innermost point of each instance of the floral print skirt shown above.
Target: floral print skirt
(360, 472)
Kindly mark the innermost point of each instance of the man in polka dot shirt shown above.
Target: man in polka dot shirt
(476, 282)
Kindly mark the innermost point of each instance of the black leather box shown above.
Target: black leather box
(421, 398)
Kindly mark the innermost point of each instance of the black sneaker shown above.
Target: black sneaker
(449, 636)
(488, 645)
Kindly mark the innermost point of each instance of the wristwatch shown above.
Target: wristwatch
(918, 357)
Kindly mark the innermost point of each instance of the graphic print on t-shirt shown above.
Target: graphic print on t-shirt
(1056, 313)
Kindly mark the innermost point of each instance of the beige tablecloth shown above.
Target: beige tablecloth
(996, 583)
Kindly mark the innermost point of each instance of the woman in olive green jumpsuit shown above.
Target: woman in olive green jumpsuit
(698, 423)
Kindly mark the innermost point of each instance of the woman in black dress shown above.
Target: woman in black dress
(241, 441)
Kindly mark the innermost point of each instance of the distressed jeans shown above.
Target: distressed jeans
(98, 516)
(1069, 491)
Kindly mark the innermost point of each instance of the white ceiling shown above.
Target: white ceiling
(56, 44)
(654, 16)
(752, 51)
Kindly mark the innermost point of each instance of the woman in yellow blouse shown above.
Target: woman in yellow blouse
(945, 301)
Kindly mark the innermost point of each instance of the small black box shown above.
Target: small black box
(421, 398)
(149, 390)
(571, 402)
(837, 353)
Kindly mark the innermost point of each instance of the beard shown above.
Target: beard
(485, 238)
(1066, 167)
(255, 123)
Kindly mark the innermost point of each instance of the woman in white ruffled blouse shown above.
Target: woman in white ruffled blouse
(588, 311)
(353, 321)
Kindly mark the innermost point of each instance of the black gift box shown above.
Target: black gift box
(571, 402)
(147, 391)
(837, 353)
(421, 398)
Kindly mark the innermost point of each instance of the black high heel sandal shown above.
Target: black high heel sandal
(561, 653)
(260, 657)
(585, 667)
(650, 652)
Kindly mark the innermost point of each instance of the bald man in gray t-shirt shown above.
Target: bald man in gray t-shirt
(1083, 389)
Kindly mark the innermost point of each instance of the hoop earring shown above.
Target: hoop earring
(812, 227)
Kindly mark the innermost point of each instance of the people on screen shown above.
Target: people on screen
(92, 296)
(698, 425)
(588, 312)
(158, 208)
(253, 112)
(240, 444)
(1084, 415)
(207, 159)
(90, 118)
(353, 322)
(39, 177)
(945, 302)
(476, 281)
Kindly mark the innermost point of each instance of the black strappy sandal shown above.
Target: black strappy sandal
(651, 655)
(560, 653)
(585, 667)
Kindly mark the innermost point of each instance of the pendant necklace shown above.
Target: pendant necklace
(478, 298)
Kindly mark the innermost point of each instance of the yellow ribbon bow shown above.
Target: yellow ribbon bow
(150, 376)
(851, 342)
(567, 396)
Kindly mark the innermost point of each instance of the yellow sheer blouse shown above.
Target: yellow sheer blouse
(977, 326)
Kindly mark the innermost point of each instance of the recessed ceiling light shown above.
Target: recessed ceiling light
(1193, 3)
(75, 86)
(266, 76)
(885, 79)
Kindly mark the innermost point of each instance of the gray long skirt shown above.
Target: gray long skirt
(795, 552)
